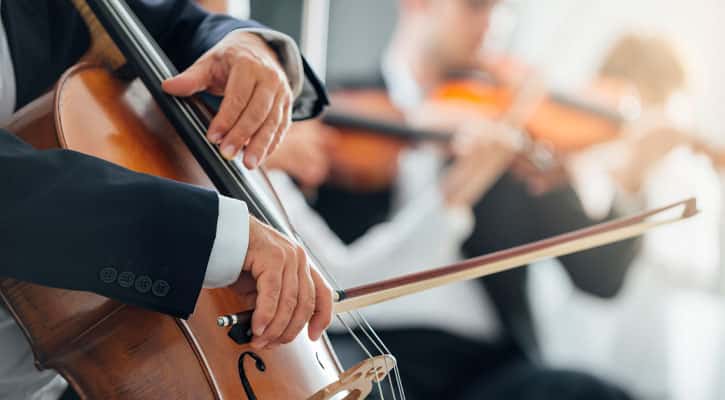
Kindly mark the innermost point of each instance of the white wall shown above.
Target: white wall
(359, 31)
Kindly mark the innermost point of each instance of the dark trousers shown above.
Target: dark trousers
(438, 365)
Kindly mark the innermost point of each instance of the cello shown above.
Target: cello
(110, 350)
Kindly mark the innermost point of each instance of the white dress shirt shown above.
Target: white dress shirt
(422, 233)
(19, 379)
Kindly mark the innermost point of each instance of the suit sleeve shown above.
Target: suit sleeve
(186, 32)
(509, 216)
(600, 271)
(72, 221)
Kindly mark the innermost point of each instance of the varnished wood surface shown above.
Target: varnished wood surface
(111, 351)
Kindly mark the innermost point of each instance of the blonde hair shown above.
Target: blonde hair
(650, 63)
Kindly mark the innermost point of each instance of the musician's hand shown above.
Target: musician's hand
(303, 154)
(257, 106)
(289, 293)
(540, 181)
(632, 157)
(481, 156)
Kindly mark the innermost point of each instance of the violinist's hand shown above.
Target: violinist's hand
(481, 156)
(303, 154)
(286, 292)
(638, 152)
(540, 181)
(257, 106)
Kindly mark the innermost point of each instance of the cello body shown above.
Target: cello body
(108, 350)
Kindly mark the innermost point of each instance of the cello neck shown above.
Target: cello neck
(188, 115)
(102, 49)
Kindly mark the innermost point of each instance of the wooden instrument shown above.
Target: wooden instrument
(107, 350)
(371, 131)
(563, 123)
(369, 134)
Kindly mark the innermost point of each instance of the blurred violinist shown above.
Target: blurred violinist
(432, 39)
(650, 70)
(426, 228)
(653, 68)
(478, 335)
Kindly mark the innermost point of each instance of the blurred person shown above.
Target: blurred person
(426, 228)
(446, 326)
(652, 69)
(656, 159)
(433, 38)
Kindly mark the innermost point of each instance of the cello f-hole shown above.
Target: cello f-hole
(258, 363)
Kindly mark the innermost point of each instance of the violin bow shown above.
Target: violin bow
(583, 239)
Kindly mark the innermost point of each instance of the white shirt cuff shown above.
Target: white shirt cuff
(289, 56)
(230, 244)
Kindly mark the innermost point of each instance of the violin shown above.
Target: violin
(370, 131)
(369, 134)
(561, 122)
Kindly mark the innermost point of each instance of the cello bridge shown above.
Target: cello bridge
(357, 382)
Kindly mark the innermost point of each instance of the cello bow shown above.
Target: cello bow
(583, 239)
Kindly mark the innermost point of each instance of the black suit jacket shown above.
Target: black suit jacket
(72, 221)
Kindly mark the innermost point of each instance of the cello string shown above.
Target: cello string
(162, 71)
(321, 267)
(360, 322)
(360, 343)
(359, 319)
(333, 280)
(395, 369)
(374, 338)
(357, 316)
(330, 277)
(363, 326)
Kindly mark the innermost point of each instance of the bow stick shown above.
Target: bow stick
(598, 235)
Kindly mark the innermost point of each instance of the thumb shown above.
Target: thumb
(194, 80)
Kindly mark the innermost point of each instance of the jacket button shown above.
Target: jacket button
(143, 284)
(108, 275)
(160, 288)
(125, 279)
